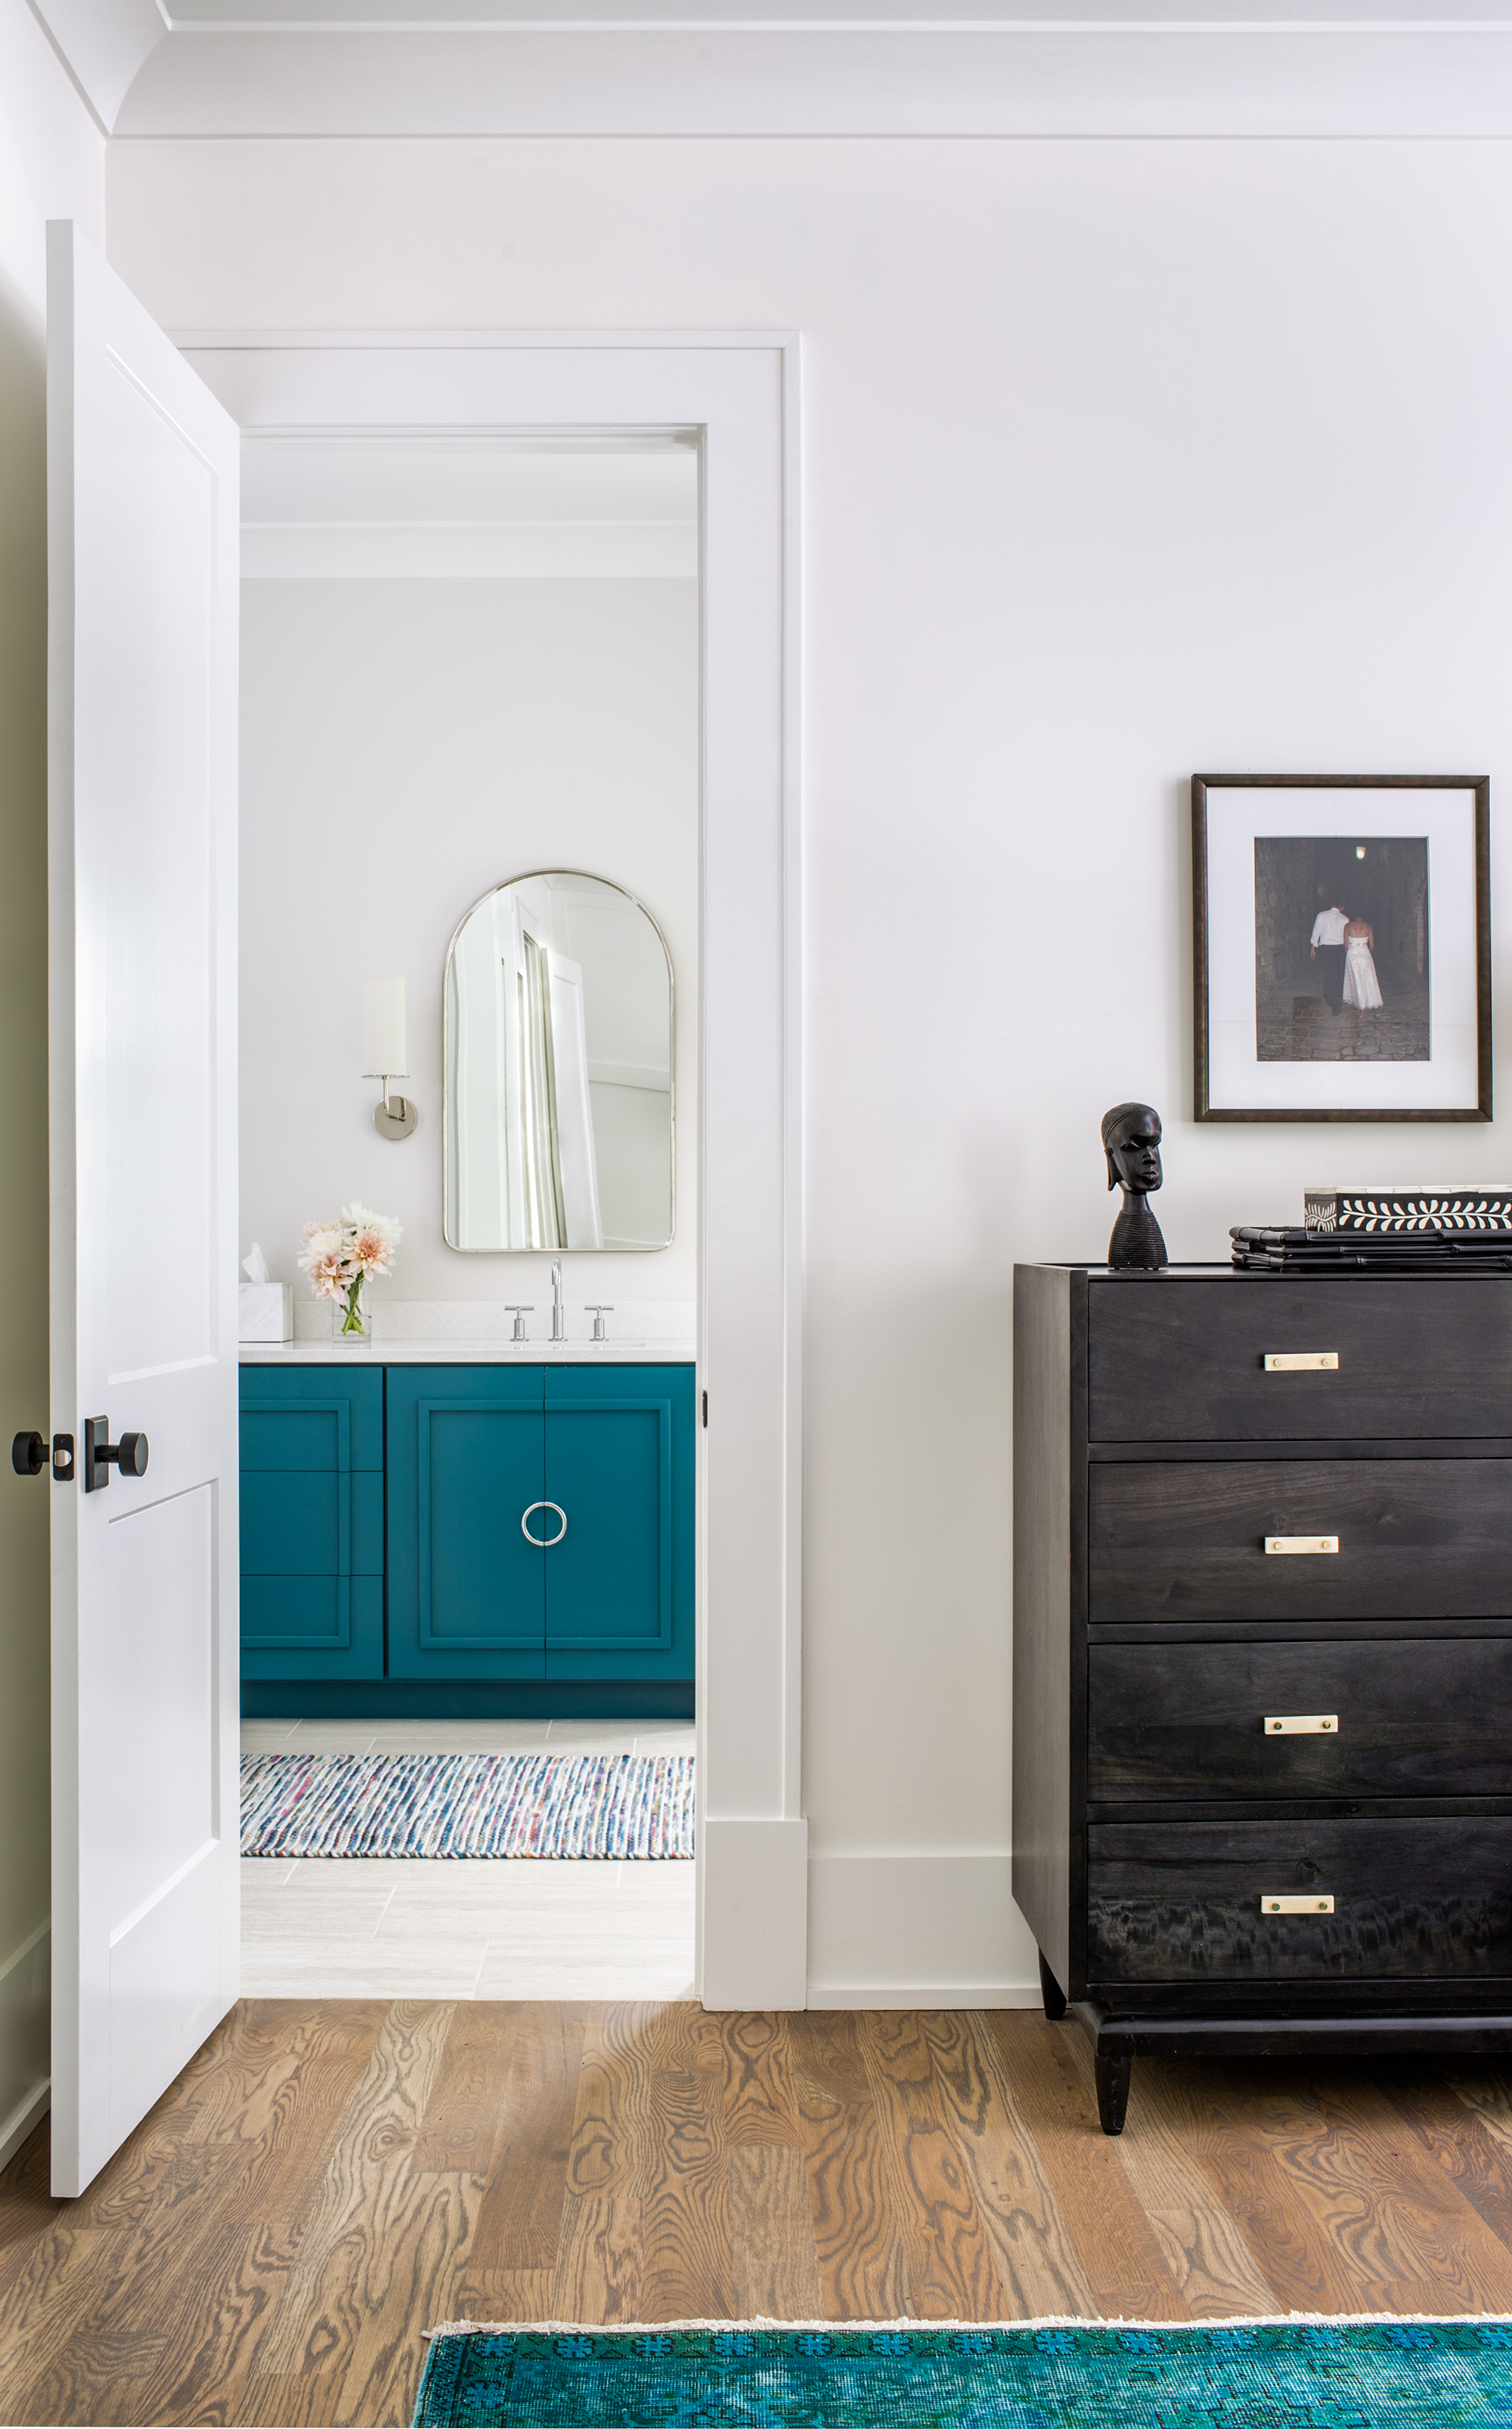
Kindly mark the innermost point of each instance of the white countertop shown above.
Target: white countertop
(466, 1353)
(476, 1332)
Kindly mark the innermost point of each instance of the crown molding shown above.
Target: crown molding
(999, 82)
(249, 69)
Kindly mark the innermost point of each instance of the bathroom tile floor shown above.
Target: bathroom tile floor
(383, 1927)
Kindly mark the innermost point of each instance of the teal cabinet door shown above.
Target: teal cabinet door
(311, 1484)
(466, 1484)
(618, 1464)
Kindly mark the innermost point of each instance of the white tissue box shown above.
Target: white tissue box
(265, 1312)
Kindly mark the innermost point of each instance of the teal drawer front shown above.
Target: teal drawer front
(314, 1524)
(311, 1416)
(311, 1628)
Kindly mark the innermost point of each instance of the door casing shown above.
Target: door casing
(739, 392)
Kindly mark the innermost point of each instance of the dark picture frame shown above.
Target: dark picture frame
(1313, 1076)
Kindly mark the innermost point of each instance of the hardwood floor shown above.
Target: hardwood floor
(328, 2178)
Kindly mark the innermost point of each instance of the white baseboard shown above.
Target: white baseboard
(25, 2087)
(28, 2113)
(914, 1930)
(971, 1996)
(755, 1891)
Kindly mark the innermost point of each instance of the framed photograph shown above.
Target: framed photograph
(1341, 947)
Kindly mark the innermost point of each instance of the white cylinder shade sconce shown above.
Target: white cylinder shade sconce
(386, 1054)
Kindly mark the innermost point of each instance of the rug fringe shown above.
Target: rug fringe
(1052, 2319)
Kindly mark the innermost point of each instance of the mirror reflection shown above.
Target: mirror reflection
(559, 1077)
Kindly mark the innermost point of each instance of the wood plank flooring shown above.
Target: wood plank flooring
(328, 2178)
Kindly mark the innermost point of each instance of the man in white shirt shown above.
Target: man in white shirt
(1328, 941)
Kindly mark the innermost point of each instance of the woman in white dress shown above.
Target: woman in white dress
(1362, 988)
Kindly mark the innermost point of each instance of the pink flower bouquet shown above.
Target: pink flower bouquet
(338, 1257)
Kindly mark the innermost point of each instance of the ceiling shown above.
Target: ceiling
(161, 69)
(463, 508)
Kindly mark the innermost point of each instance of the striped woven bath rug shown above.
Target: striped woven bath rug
(594, 1806)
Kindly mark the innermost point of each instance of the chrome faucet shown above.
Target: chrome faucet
(598, 1309)
(558, 1314)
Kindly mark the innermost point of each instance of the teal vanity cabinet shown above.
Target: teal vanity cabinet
(456, 1538)
(311, 1523)
(540, 1522)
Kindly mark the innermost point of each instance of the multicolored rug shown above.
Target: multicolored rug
(599, 1807)
(1277, 2374)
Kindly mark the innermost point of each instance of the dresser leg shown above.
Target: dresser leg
(1112, 2070)
(1051, 1993)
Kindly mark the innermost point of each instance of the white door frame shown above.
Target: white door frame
(739, 391)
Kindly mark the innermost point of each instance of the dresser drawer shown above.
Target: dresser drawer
(1418, 1538)
(1170, 1360)
(1413, 1900)
(1425, 1718)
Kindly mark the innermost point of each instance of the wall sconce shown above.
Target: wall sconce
(385, 1055)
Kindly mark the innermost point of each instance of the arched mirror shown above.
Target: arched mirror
(558, 1078)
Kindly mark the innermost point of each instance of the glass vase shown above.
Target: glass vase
(353, 1322)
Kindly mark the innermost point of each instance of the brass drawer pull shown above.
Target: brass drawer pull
(1302, 1725)
(1270, 1905)
(1302, 1543)
(1299, 1362)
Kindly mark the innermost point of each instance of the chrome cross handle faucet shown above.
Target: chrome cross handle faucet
(558, 1314)
(598, 1309)
(519, 1308)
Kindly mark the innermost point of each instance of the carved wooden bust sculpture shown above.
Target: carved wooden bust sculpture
(1131, 1142)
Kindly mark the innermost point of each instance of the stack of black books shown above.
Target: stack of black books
(1385, 1231)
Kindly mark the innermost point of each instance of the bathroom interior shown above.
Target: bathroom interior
(470, 771)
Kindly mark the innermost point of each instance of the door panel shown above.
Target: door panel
(143, 558)
(619, 1595)
(608, 1581)
(466, 1458)
(481, 1468)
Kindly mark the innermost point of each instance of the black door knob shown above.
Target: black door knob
(29, 1454)
(101, 1454)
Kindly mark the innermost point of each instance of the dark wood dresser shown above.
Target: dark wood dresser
(1262, 1659)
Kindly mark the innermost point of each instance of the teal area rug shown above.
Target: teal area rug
(1295, 2374)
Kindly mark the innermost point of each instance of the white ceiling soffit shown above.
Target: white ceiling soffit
(445, 509)
(837, 68)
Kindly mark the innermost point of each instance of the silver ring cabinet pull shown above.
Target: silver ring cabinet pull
(543, 1542)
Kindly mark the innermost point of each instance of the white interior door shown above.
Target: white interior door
(142, 566)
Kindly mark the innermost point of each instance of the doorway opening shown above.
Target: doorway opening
(470, 762)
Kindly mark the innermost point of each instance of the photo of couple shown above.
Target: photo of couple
(1341, 949)
(1348, 967)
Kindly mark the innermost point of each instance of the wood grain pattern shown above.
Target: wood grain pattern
(325, 2181)
(1182, 1539)
(1183, 1364)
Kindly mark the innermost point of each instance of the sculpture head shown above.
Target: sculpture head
(1131, 1141)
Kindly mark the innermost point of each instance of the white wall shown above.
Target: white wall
(1120, 459)
(406, 745)
(50, 166)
